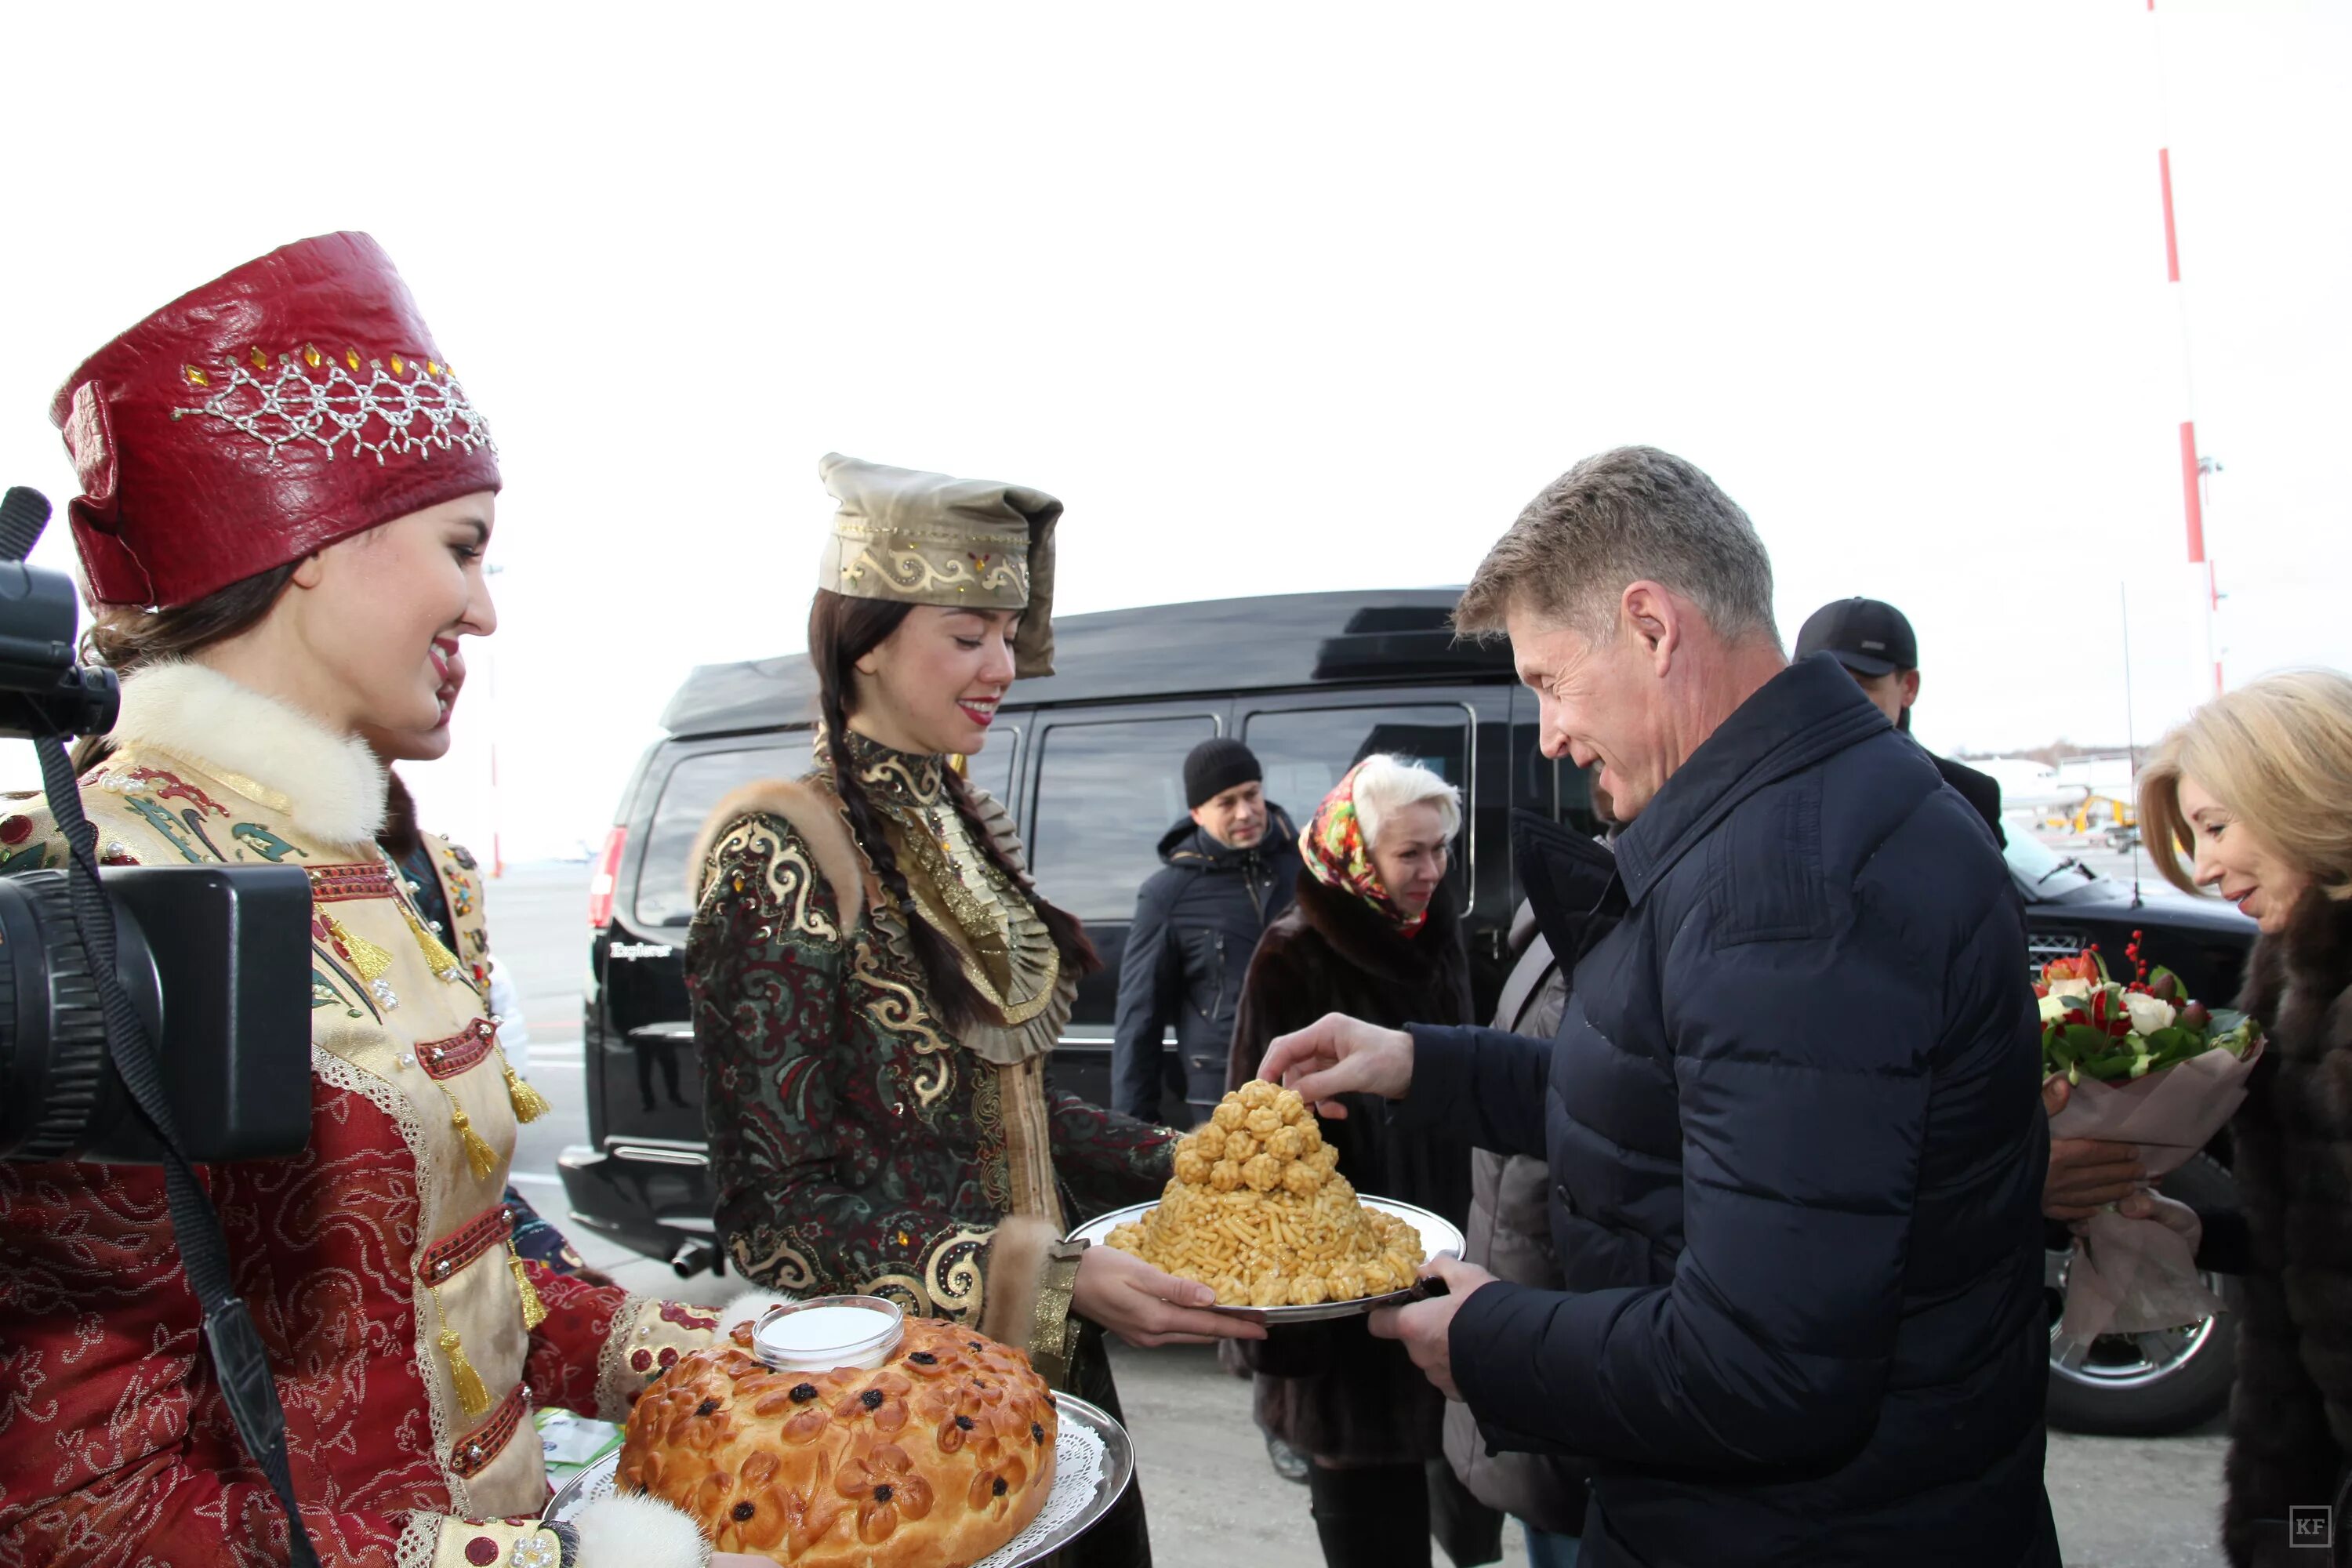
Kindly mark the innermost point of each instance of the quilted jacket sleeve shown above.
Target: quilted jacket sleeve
(1804, 1111)
(1485, 1082)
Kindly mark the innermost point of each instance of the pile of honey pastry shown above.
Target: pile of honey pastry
(1259, 1212)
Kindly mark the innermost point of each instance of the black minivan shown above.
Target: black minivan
(1089, 762)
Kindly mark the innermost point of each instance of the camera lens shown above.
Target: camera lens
(52, 1030)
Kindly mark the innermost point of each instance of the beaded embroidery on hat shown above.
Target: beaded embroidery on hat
(414, 407)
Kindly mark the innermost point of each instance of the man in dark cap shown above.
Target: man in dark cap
(1872, 639)
(1229, 869)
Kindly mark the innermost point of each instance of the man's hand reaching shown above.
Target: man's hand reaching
(1338, 1055)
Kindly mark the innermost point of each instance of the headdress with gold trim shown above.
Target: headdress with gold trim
(927, 539)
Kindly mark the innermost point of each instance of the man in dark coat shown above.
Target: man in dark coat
(1792, 1113)
(1873, 640)
(1229, 870)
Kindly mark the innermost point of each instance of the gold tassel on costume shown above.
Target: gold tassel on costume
(528, 1104)
(480, 1158)
(472, 1397)
(534, 1310)
(369, 960)
(437, 958)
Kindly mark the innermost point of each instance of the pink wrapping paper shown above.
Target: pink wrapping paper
(2132, 1276)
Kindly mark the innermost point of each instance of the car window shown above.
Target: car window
(1105, 795)
(991, 770)
(1306, 751)
(2043, 867)
(688, 797)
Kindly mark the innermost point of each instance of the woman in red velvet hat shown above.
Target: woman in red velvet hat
(285, 500)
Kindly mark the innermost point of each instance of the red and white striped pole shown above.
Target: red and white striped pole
(2192, 468)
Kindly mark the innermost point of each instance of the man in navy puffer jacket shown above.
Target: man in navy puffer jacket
(1791, 1115)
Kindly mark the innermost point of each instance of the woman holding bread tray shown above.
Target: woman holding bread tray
(877, 987)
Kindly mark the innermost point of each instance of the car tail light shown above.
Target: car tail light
(607, 876)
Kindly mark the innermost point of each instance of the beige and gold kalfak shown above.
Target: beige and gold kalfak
(917, 538)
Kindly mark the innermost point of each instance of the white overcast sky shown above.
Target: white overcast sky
(1274, 296)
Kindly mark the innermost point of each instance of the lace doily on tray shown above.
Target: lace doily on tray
(1079, 1455)
(1080, 1458)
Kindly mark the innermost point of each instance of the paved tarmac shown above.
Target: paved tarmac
(1215, 1503)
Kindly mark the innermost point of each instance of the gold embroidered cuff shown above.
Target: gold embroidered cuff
(1054, 1332)
(1018, 1250)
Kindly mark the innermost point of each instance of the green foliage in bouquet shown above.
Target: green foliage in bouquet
(2097, 1027)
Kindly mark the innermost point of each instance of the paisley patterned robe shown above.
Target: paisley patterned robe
(858, 1142)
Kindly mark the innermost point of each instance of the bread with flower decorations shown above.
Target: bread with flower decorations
(940, 1456)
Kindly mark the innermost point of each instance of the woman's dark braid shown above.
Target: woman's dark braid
(957, 1002)
(1078, 955)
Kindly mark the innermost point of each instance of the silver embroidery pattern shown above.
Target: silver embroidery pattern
(413, 415)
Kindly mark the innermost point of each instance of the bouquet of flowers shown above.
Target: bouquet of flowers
(2155, 1069)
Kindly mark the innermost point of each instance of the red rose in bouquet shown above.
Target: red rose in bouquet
(2154, 1069)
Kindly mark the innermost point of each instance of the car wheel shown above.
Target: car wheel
(2145, 1385)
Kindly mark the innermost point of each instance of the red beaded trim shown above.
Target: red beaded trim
(338, 884)
(447, 1058)
(479, 1234)
(476, 1449)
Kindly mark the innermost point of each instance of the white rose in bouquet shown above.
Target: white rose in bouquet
(2148, 1014)
(2077, 989)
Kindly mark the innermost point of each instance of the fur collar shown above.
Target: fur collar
(2312, 954)
(812, 811)
(1365, 938)
(329, 786)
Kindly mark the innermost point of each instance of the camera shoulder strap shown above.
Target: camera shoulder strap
(238, 1358)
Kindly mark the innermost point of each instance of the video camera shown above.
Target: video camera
(214, 961)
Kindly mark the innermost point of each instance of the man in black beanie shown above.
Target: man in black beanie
(1229, 867)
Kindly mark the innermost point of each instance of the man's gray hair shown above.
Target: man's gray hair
(1618, 517)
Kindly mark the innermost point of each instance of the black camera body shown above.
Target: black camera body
(216, 959)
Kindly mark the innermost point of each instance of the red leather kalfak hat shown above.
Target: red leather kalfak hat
(294, 402)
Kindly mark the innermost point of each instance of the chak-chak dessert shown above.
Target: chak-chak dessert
(1258, 1211)
(938, 1456)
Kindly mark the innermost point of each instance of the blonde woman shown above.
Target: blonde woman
(2252, 800)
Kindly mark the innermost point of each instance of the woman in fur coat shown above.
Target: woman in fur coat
(2249, 800)
(1373, 934)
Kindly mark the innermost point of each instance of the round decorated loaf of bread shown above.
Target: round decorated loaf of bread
(935, 1459)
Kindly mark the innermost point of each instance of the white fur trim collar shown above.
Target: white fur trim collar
(331, 787)
(628, 1529)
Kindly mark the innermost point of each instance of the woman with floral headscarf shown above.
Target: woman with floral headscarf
(1375, 934)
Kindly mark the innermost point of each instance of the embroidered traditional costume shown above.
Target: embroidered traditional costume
(858, 1141)
(292, 403)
